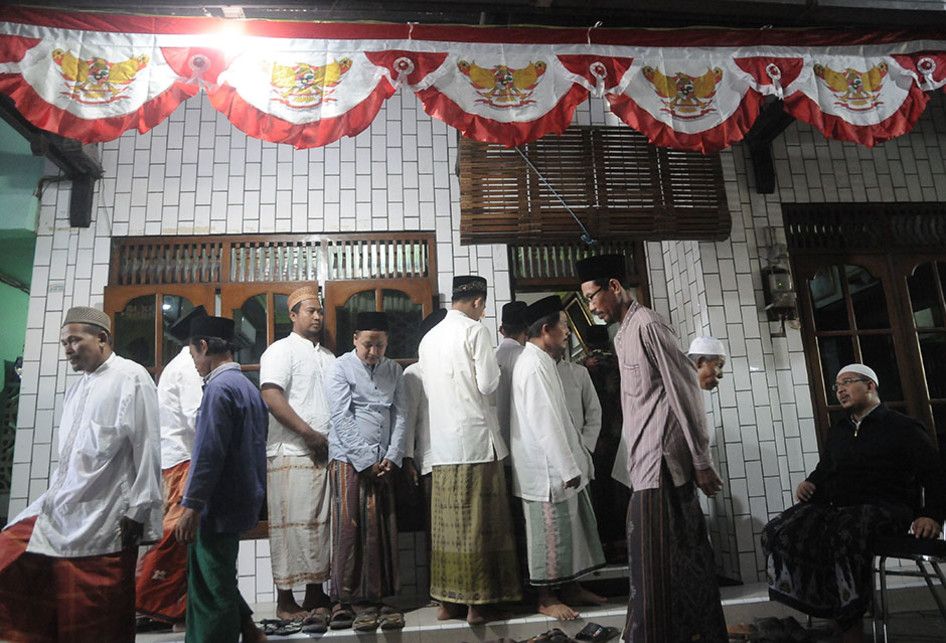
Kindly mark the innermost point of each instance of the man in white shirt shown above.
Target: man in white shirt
(67, 562)
(161, 584)
(513, 330)
(292, 372)
(473, 556)
(584, 408)
(551, 469)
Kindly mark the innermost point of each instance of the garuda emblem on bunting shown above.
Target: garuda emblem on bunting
(97, 81)
(501, 86)
(302, 85)
(685, 96)
(855, 90)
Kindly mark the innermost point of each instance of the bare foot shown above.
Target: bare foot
(448, 611)
(480, 614)
(578, 595)
(315, 597)
(287, 608)
(551, 606)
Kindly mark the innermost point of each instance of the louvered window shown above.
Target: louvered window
(617, 184)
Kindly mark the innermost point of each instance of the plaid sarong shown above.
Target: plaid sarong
(473, 553)
(364, 536)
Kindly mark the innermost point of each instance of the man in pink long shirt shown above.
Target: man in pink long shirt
(674, 595)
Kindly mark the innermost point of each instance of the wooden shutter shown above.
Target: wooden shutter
(617, 184)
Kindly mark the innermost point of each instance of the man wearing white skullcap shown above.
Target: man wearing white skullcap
(709, 356)
(874, 464)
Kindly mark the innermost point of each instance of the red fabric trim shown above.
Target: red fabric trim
(789, 68)
(13, 48)
(51, 118)
(580, 64)
(487, 130)
(730, 131)
(897, 124)
(424, 63)
(697, 36)
(271, 128)
(912, 62)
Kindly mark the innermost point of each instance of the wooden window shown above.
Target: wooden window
(619, 185)
(870, 281)
(153, 281)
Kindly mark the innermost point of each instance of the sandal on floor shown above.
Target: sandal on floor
(597, 633)
(316, 621)
(342, 618)
(554, 635)
(366, 620)
(391, 619)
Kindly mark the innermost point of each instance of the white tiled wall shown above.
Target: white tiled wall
(196, 174)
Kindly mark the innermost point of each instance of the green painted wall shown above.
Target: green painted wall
(20, 172)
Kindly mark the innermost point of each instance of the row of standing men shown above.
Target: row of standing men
(337, 430)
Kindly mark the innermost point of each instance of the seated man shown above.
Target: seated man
(868, 483)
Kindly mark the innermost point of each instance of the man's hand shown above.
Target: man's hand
(132, 532)
(318, 446)
(708, 482)
(924, 527)
(573, 483)
(412, 474)
(186, 528)
(805, 491)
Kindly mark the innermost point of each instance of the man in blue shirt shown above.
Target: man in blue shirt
(226, 487)
(368, 404)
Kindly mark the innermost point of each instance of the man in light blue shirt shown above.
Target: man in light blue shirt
(367, 443)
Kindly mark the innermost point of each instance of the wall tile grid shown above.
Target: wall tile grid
(196, 174)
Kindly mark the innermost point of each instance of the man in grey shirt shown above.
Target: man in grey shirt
(673, 597)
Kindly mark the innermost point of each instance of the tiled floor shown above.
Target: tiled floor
(915, 621)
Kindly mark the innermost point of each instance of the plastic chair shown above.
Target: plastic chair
(927, 554)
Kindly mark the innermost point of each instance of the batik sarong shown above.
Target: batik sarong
(46, 599)
(161, 583)
(364, 536)
(819, 557)
(562, 539)
(473, 554)
(674, 595)
(300, 508)
(215, 608)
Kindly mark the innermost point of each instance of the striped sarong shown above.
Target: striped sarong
(161, 585)
(44, 599)
(674, 595)
(473, 553)
(562, 539)
(299, 508)
(364, 536)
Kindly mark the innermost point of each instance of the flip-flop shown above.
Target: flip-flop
(391, 619)
(597, 633)
(342, 618)
(366, 620)
(316, 621)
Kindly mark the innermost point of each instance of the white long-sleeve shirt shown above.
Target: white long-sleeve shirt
(460, 376)
(418, 419)
(180, 390)
(109, 465)
(507, 353)
(547, 449)
(582, 401)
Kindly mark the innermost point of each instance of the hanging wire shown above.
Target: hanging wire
(585, 235)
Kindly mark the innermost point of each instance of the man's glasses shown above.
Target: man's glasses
(847, 382)
(590, 298)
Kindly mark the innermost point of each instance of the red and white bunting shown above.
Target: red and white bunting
(93, 76)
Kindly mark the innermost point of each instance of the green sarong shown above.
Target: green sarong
(215, 608)
(473, 552)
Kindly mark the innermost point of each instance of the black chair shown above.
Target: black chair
(926, 554)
